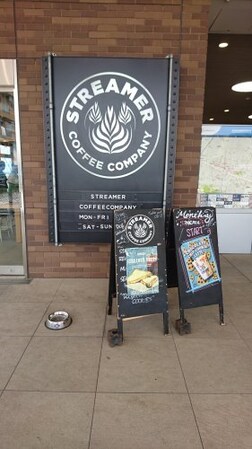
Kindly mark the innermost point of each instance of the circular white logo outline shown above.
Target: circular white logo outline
(158, 120)
(151, 230)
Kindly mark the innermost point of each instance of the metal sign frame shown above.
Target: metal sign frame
(197, 259)
(138, 268)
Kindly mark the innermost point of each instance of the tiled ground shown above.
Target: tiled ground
(69, 389)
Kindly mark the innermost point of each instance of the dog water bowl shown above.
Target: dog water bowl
(58, 320)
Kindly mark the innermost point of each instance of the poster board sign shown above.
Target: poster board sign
(140, 262)
(197, 255)
(108, 118)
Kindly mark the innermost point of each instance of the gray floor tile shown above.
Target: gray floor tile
(249, 343)
(146, 421)
(229, 269)
(141, 365)
(232, 276)
(20, 319)
(83, 289)
(224, 262)
(242, 318)
(224, 420)
(243, 262)
(141, 400)
(147, 326)
(58, 364)
(233, 273)
(173, 298)
(235, 294)
(38, 290)
(3, 291)
(205, 323)
(216, 365)
(88, 319)
(45, 420)
(11, 350)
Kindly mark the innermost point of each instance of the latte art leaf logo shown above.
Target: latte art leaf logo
(124, 115)
(110, 125)
(94, 114)
(110, 135)
(140, 229)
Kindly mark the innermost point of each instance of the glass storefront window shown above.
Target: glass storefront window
(225, 166)
(11, 235)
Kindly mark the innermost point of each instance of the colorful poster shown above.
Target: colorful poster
(142, 270)
(198, 262)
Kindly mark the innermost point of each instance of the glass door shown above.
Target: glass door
(12, 252)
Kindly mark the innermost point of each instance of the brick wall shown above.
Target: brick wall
(150, 28)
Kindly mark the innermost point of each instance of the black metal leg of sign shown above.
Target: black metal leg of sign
(112, 284)
(115, 336)
(166, 321)
(182, 325)
(120, 328)
(110, 296)
(221, 312)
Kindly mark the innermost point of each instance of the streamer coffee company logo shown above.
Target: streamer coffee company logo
(110, 125)
(140, 229)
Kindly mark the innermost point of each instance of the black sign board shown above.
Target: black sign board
(106, 137)
(140, 263)
(197, 254)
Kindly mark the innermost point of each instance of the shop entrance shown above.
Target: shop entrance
(12, 248)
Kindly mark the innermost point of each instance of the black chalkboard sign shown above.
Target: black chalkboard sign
(106, 136)
(140, 263)
(197, 255)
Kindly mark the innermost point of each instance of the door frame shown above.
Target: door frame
(17, 270)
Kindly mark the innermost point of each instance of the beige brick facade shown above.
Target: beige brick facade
(149, 28)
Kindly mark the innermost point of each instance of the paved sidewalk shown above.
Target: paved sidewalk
(69, 389)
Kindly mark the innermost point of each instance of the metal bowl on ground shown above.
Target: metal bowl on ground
(58, 320)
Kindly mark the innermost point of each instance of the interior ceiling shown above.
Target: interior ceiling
(229, 21)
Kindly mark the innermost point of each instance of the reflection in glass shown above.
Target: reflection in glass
(10, 221)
